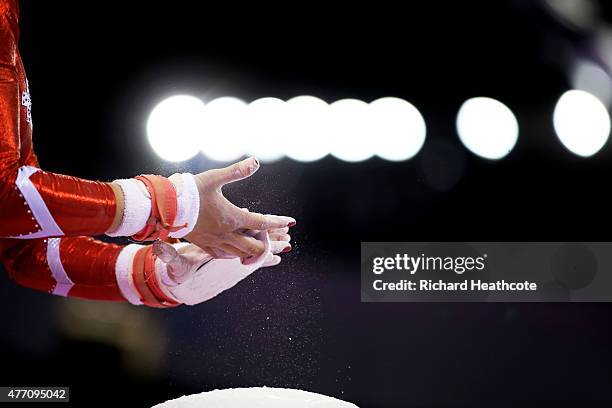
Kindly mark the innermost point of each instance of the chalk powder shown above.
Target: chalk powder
(257, 397)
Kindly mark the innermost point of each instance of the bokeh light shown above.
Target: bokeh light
(352, 130)
(225, 129)
(400, 128)
(266, 136)
(582, 122)
(175, 127)
(487, 127)
(308, 135)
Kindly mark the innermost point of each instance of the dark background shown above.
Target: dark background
(96, 69)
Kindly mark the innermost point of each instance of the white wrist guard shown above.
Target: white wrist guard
(188, 203)
(137, 205)
(136, 208)
(123, 273)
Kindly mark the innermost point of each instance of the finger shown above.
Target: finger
(229, 251)
(277, 247)
(257, 221)
(247, 232)
(283, 230)
(271, 260)
(165, 252)
(178, 266)
(225, 251)
(249, 245)
(280, 237)
(235, 172)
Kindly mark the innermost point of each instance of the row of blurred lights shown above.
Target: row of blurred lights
(306, 128)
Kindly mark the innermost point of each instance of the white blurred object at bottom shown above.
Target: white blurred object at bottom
(256, 397)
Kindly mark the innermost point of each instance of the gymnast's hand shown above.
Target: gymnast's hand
(220, 226)
(191, 275)
(183, 260)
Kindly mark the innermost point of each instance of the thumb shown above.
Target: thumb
(177, 266)
(165, 252)
(181, 266)
(237, 171)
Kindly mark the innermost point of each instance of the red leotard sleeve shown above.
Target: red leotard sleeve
(35, 203)
(79, 266)
(72, 266)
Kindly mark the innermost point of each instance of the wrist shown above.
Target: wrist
(151, 207)
(131, 275)
(123, 273)
(146, 278)
(188, 203)
(135, 207)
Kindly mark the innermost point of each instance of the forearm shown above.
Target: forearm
(159, 275)
(86, 268)
(39, 204)
(35, 203)
(76, 266)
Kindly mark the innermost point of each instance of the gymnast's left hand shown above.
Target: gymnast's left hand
(220, 226)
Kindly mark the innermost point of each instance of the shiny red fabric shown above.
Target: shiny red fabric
(79, 207)
(89, 264)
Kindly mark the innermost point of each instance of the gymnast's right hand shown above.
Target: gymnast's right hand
(220, 226)
(191, 277)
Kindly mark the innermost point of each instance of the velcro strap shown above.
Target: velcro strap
(143, 275)
(163, 208)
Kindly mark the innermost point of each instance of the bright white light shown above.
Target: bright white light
(582, 122)
(174, 127)
(487, 127)
(400, 128)
(352, 134)
(267, 129)
(591, 78)
(309, 128)
(224, 129)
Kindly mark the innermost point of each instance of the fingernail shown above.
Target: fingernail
(291, 224)
(287, 248)
(256, 161)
